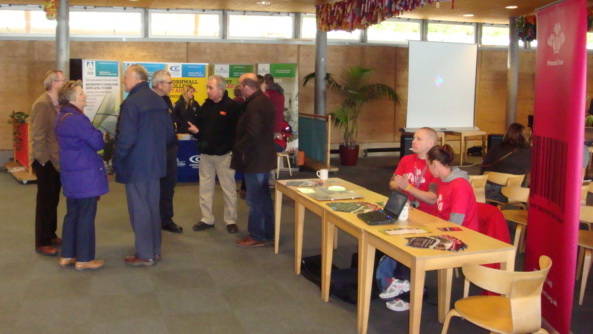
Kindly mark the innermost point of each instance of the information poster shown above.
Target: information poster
(182, 74)
(101, 83)
(231, 72)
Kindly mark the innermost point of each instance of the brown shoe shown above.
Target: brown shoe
(56, 241)
(47, 250)
(133, 260)
(66, 262)
(249, 242)
(91, 265)
(232, 228)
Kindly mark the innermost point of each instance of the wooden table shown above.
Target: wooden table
(481, 249)
(301, 201)
(467, 135)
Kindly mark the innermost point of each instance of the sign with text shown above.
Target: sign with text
(557, 154)
(101, 83)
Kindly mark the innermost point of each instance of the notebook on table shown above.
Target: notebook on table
(325, 194)
(394, 206)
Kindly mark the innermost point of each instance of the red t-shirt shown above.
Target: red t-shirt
(457, 196)
(415, 170)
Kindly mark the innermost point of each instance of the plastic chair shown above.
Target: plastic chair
(518, 311)
(584, 266)
(279, 157)
(478, 183)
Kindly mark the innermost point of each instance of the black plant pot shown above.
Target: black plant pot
(348, 155)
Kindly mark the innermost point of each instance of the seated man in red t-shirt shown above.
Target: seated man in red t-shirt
(412, 174)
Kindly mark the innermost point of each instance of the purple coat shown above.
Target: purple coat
(82, 173)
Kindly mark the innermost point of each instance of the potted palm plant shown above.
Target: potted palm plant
(355, 91)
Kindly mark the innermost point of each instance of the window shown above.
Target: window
(309, 31)
(590, 40)
(260, 26)
(106, 24)
(451, 32)
(171, 24)
(394, 31)
(495, 35)
(30, 22)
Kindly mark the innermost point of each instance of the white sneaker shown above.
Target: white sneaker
(395, 288)
(398, 305)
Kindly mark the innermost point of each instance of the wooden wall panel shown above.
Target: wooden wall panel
(25, 62)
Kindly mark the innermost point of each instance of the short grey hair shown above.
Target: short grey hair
(140, 71)
(220, 81)
(51, 76)
(159, 76)
(67, 92)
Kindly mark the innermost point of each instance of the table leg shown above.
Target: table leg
(509, 265)
(416, 291)
(299, 221)
(327, 252)
(445, 277)
(277, 215)
(518, 233)
(366, 262)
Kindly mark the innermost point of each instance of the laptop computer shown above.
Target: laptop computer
(394, 206)
(325, 194)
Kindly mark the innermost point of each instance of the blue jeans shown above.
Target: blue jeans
(387, 269)
(260, 224)
(78, 230)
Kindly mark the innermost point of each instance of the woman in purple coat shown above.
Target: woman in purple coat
(83, 178)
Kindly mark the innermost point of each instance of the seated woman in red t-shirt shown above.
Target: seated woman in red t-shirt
(456, 201)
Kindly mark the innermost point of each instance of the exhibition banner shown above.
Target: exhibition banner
(182, 74)
(231, 72)
(101, 83)
(556, 168)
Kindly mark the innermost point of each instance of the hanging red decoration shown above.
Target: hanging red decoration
(349, 15)
(51, 9)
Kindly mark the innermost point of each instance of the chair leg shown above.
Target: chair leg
(288, 162)
(278, 161)
(586, 268)
(465, 288)
(450, 314)
(518, 232)
(580, 263)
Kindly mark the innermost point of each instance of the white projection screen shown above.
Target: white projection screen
(441, 85)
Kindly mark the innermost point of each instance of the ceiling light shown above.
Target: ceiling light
(468, 15)
(263, 2)
(511, 7)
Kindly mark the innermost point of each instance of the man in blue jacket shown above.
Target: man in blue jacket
(144, 129)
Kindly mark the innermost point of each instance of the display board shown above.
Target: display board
(102, 85)
(195, 74)
(231, 72)
(441, 85)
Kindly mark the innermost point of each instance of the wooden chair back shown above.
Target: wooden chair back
(478, 183)
(517, 195)
(505, 179)
(586, 215)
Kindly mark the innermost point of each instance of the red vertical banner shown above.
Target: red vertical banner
(557, 153)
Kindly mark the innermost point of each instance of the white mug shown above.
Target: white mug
(322, 174)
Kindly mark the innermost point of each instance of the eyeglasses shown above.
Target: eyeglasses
(58, 80)
(167, 82)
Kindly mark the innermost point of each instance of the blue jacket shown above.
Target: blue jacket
(144, 129)
(82, 173)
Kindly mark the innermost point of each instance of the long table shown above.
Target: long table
(481, 249)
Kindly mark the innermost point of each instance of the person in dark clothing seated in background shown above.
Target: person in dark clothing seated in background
(511, 156)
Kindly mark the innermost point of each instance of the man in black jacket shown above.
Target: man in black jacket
(215, 126)
(254, 155)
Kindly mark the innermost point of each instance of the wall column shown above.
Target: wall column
(512, 74)
(320, 71)
(63, 39)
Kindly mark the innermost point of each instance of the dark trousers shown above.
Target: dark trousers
(260, 223)
(143, 206)
(78, 231)
(48, 197)
(168, 187)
